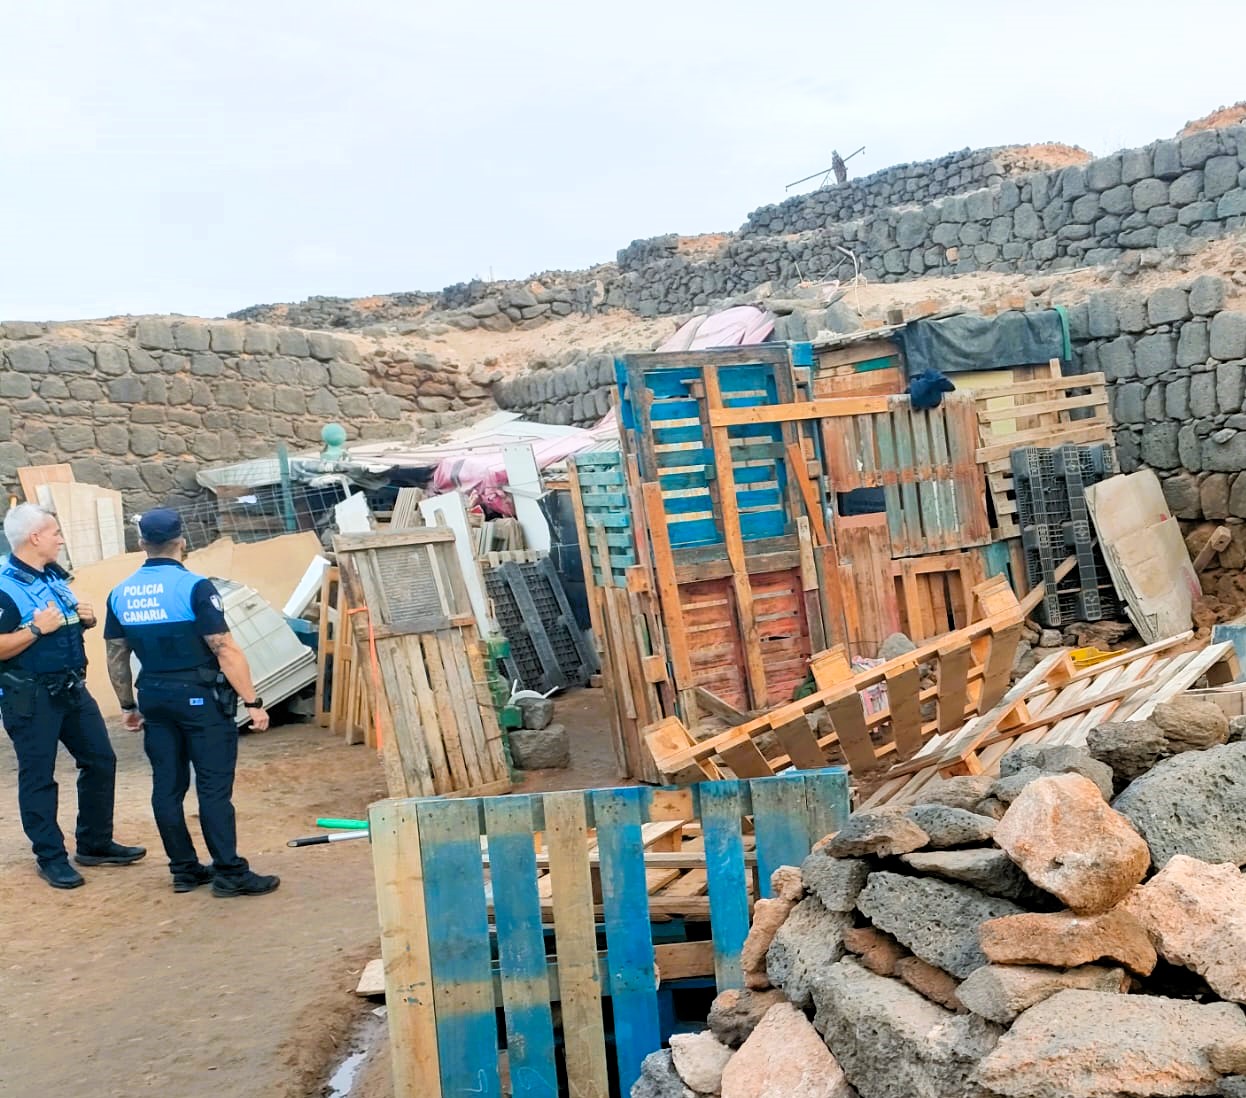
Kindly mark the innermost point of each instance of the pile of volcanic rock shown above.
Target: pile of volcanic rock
(1075, 928)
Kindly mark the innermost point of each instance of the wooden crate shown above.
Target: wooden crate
(456, 926)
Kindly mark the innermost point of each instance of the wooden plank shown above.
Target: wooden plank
(410, 1011)
(1043, 385)
(721, 811)
(732, 535)
(525, 985)
(809, 494)
(458, 941)
(31, 477)
(790, 413)
(712, 703)
(461, 756)
(745, 760)
(483, 717)
(781, 823)
(953, 684)
(566, 837)
(618, 815)
(904, 704)
(827, 800)
(848, 717)
(427, 535)
(668, 589)
(801, 745)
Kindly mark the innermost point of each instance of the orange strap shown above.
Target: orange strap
(376, 673)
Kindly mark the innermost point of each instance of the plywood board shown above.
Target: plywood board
(524, 484)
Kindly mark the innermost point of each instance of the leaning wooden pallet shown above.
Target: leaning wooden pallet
(462, 935)
(414, 628)
(877, 715)
(1056, 704)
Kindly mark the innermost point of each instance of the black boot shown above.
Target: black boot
(188, 882)
(60, 874)
(246, 884)
(112, 854)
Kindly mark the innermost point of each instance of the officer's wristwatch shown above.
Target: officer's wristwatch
(34, 629)
(257, 704)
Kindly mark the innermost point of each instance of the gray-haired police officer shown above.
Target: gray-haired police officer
(44, 700)
(188, 687)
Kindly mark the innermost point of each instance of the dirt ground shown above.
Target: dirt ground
(123, 988)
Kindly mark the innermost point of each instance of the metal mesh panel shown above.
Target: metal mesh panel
(410, 583)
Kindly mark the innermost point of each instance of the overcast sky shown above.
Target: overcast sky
(167, 157)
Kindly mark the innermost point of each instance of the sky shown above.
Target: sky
(166, 157)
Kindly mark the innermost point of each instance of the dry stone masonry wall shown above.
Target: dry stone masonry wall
(900, 185)
(140, 405)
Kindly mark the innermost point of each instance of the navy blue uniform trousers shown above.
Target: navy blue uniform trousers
(37, 724)
(184, 726)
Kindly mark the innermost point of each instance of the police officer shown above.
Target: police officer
(192, 673)
(44, 700)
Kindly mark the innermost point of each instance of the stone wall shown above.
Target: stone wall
(577, 395)
(1175, 361)
(140, 405)
(1167, 199)
(900, 185)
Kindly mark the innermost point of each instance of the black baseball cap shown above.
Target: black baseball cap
(161, 525)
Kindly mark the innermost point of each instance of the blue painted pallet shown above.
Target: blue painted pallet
(606, 504)
(658, 398)
(450, 924)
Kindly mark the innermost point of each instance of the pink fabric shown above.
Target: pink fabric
(738, 326)
(481, 474)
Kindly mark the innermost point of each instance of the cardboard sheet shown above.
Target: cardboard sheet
(1145, 553)
(273, 568)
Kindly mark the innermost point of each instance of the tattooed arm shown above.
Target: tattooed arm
(119, 671)
(233, 664)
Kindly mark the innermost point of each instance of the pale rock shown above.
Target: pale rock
(1089, 1044)
(1191, 724)
(1070, 843)
(964, 791)
(1193, 803)
(699, 1060)
(935, 919)
(987, 869)
(735, 1013)
(837, 882)
(1130, 748)
(1196, 915)
(1001, 992)
(784, 1058)
(950, 827)
(1229, 1057)
(786, 884)
(809, 941)
(883, 832)
(659, 1079)
(1064, 940)
(893, 1042)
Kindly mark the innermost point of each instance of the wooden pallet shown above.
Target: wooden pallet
(425, 686)
(1039, 412)
(876, 715)
(924, 461)
(446, 913)
(1058, 704)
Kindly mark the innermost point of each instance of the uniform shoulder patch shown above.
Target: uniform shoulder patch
(216, 602)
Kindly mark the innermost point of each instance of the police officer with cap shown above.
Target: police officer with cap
(192, 674)
(44, 701)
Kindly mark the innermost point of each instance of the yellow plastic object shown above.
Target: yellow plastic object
(1088, 657)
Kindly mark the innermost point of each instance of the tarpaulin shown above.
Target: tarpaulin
(739, 326)
(959, 343)
(481, 474)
